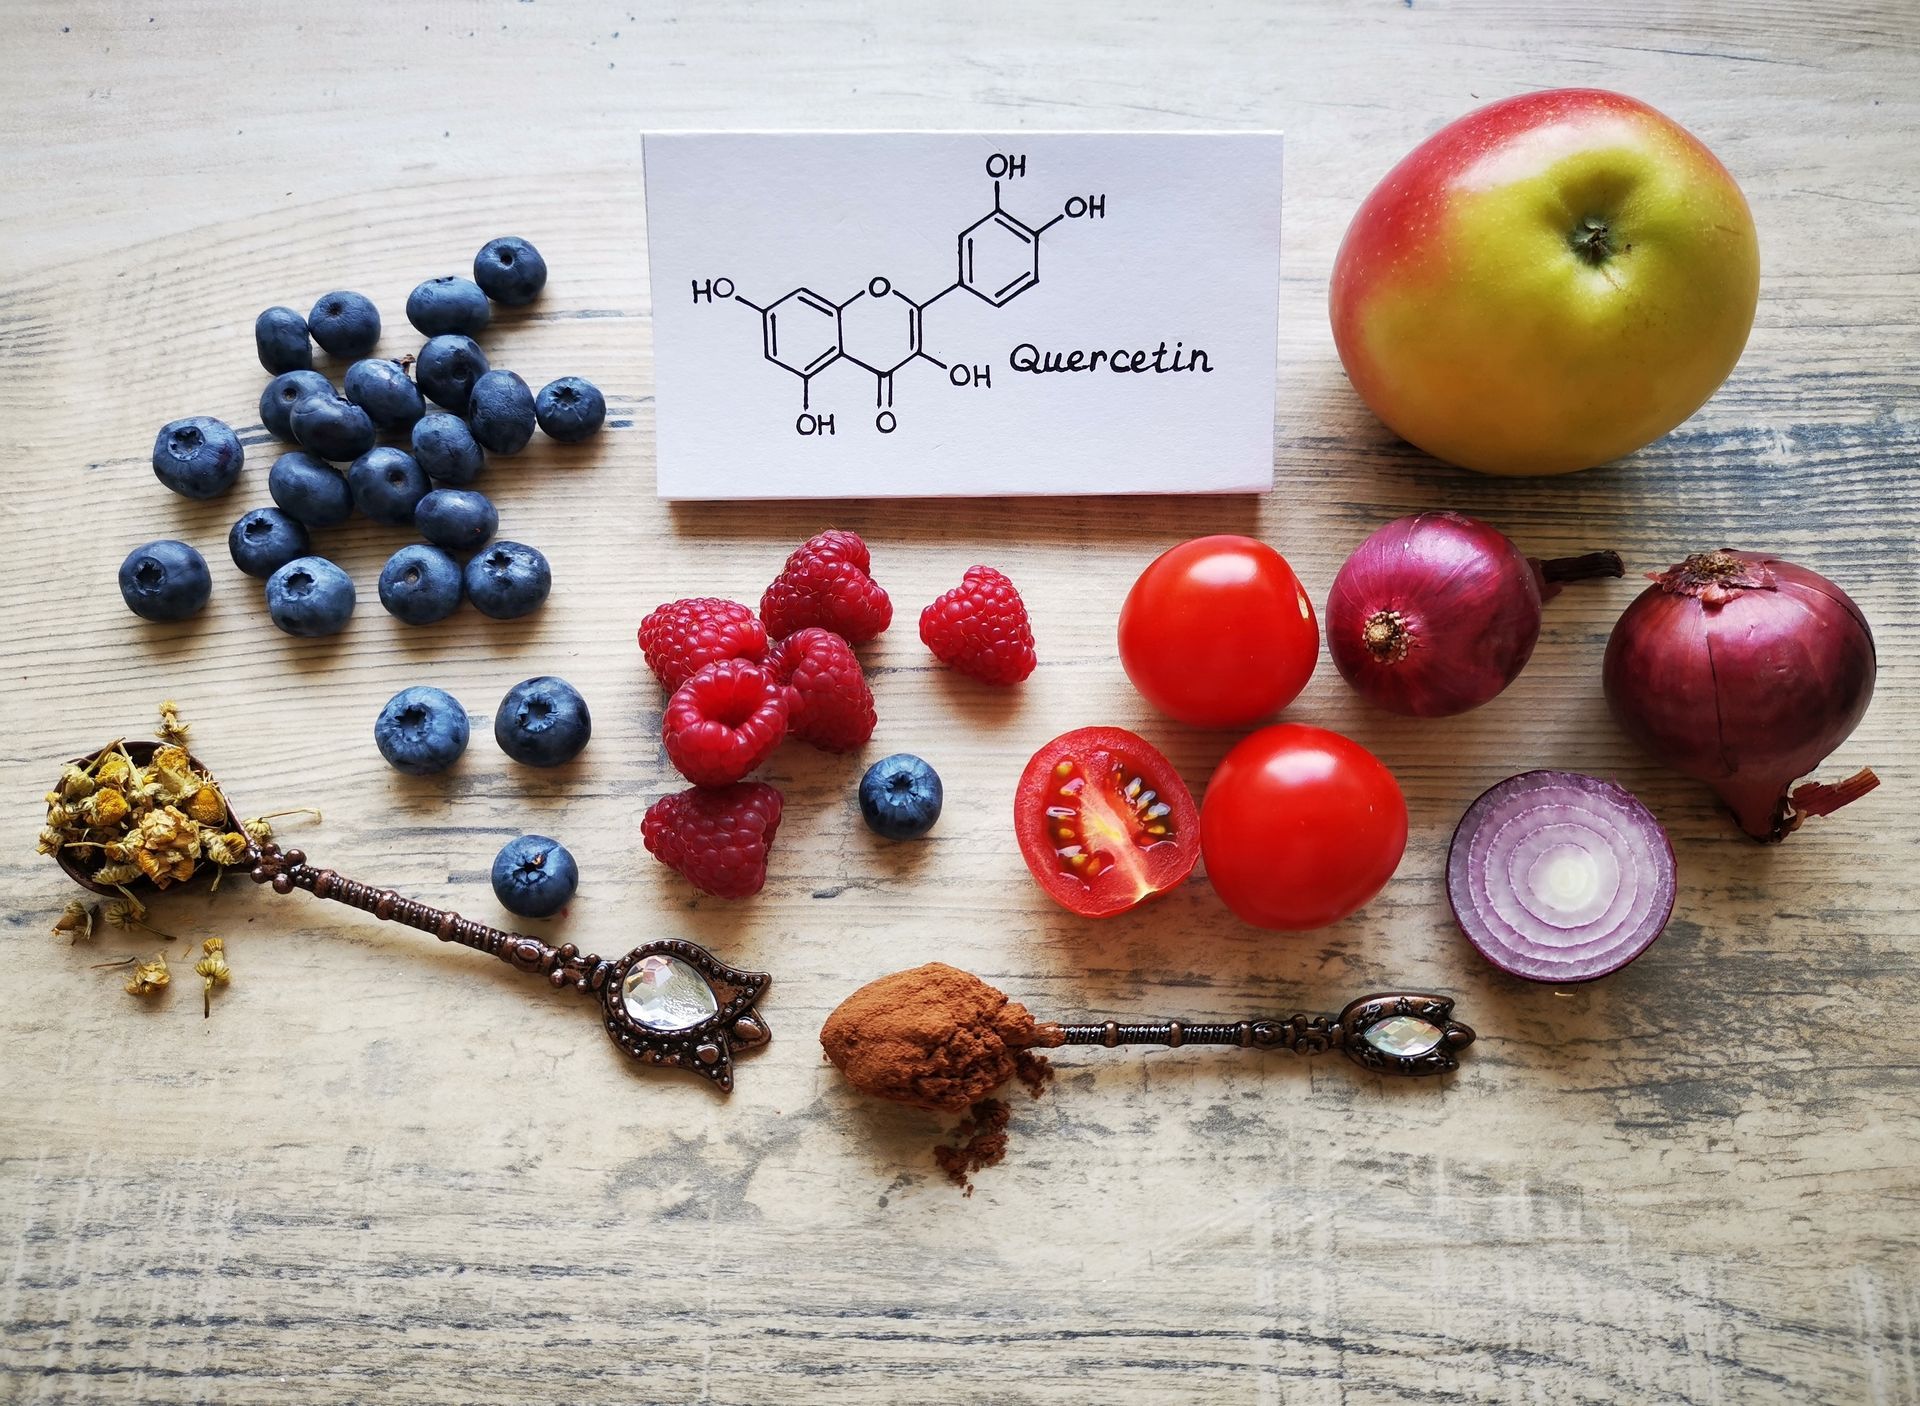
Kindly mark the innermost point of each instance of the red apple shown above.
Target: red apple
(1547, 283)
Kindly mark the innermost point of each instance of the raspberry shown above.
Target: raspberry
(681, 636)
(715, 837)
(980, 628)
(724, 721)
(825, 583)
(832, 707)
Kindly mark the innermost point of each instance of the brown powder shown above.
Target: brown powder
(979, 1141)
(940, 1038)
(935, 1037)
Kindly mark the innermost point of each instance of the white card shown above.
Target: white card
(902, 314)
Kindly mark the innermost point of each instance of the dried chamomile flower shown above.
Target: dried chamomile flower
(106, 807)
(172, 772)
(226, 850)
(127, 912)
(207, 806)
(172, 729)
(76, 921)
(213, 971)
(51, 841)
(149, 977)
(115, 768)
(60, 815)
(76, 782)
(260, 828)
(117, 874)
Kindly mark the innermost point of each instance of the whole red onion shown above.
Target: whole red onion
(1437, 613)
(1744, 671)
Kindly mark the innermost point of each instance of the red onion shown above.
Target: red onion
(1744, 671)
(1560, 877)
(1436, 614)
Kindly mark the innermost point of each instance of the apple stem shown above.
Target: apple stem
(1592, 240)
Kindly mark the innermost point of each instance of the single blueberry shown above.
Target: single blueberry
(447, 367)
(508, 580)
(447, 450)
(280, 336)
(501, 414)
(456, 518)
(900, 797)
(266, 539)
(165, 581)
(420, 585)
(332, 427)
(386, 392)
(197, 458)
(284, 392)
(442, 305)
(387, 485)
(346, 324)
(542, 722)
(421, 731)
(534, 877)
(510, 270)
(310, 489)
(310, 596)
(570, 409)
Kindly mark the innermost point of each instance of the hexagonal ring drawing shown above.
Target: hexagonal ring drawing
(801, 332)
(880, 328)
(999, 258)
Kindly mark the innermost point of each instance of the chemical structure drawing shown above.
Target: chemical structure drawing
(880, 329)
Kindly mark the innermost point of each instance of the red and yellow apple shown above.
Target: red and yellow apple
(1546, 284)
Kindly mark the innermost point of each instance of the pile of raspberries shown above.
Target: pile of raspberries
(742, 684)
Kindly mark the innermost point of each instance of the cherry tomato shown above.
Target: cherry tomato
(1300, 827)
(1105, 822)
(1218, 632)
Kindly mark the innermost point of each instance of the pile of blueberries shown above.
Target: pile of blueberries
(426, 485)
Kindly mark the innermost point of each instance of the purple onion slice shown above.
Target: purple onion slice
(1560, 877)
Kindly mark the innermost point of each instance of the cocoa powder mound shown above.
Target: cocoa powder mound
(934, 1037)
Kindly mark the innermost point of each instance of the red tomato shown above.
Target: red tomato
(1105, 822)
(1218, 631)
(1300, 827)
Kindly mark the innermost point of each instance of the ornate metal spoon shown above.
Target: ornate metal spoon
(667, 1003)
(1394, 1032)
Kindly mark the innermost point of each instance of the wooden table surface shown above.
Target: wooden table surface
(387, 1169)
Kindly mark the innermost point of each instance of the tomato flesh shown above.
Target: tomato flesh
(1104, 821)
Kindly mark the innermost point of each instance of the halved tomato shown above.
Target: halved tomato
(1105, 822)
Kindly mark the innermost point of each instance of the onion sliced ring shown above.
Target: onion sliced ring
(1560, 877)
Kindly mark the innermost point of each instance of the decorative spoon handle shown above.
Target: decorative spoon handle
(562, 966)
(668, 1002)
(1394, 1032)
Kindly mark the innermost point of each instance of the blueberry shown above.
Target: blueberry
(346, 324)
(446, 449)
(508, 580)
(420, 585)
(165, 581)
(280, 336)
(511, 270)
(443, 305)
(447, 367)
(542, 722)
(266, 539)
(310, 490)
(501, 413)
(332, 427)
(456, 518)
(900, 797)
(284, 392)
(570, 409)
(387, 485)
(197, 458)
(421, 731)
(310, 596)
(386, 392)
(534, 877)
